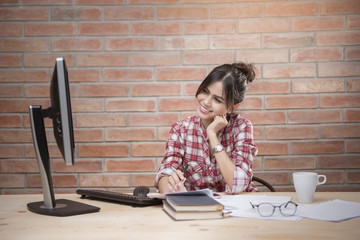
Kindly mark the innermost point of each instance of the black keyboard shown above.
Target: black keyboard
(123, 198)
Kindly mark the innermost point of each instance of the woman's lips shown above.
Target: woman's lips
(204, 110)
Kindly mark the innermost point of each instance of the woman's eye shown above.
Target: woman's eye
(218, 100)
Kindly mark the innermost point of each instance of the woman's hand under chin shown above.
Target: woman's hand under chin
(219, 123)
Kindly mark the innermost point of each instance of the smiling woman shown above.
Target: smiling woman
(216, 144)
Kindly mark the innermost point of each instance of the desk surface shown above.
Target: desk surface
(115, 221)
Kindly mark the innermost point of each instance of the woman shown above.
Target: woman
(215, 148)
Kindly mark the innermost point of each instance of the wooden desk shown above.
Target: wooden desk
(115, 221)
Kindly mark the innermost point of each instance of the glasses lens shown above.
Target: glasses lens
(266, 209)
(288, 209)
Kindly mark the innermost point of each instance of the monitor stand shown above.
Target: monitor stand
(50, 206)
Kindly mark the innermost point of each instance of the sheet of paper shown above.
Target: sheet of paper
(240, 206)
(335, 210)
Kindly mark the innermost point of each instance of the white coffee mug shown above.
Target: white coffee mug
(305, 185)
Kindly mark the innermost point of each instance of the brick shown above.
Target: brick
(210, 27)
(235, 42)
(12, 181)
(156, 28)
(130, 44)
(328, 101)
(129, 165)
(315, 116)
(353, 177)
(76, 44)
(290, 9)
(343, 69)
(264, 25)
(42, 2)
(10, 60)
(180, 74)
(102, 59)
(316, 55)
(128, 13)
(163, 133)
(251, 103)
(318, 24)
(263, 56)
(10, 121)
(337, 38)
(104, 2)
(87, 105)
(289, 71)
(152, 119)
(191, 88)
(177, 104)
(182, 43)
(162, 89)
(102, 150)
(182, 12)
(11, 91)
(318, 86)
(153, 1)
(280, 102)
(235, 11)
(84, 75)
(339, 7)
(291, 132)
(269, 87)
(80, 166)
(339, 162)
(104, 180)
(318, 147)
(15, 136)
(10, 29)
(333, 177)
(352, 53)
(274, 178)
(353, 85)
(75, 14)
(265, 117)
(88, 135)
(100, 120)
(207, 57)
(37, 90)
(127, 74)
(129, 105)
(289, 163)
(347, 131)
(57, 180)
(351, 115)
(24, 14)
(272, 148)
(148, 149)
(354, 22)
(292, 40)
(46, 60)
(103, 29)
(353, 146)
(143, 179)
(18, 166)
(23, 45)
(20, 106)
(49, 29)
(103, 90)
(154, 59)
(130, 134)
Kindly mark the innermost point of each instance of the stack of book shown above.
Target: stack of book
(195, 205)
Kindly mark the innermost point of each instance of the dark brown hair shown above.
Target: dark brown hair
(235, 78)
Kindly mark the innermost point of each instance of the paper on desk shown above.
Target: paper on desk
(335, 210)
(239, 205)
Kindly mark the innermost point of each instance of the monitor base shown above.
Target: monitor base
(63, 208)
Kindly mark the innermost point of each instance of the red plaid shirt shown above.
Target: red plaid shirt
(188, 144)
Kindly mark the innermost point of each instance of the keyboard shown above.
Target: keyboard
(122, 198)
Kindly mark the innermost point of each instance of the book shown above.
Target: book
(192, 205)
(191, 215)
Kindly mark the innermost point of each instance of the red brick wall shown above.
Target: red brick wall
(134, 67)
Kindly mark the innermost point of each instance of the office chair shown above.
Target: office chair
(263, 182)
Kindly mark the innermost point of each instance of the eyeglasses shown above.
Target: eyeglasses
(267, 209)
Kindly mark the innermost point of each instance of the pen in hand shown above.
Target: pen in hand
(185, 168)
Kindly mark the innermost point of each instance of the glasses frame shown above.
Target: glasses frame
(274, 207)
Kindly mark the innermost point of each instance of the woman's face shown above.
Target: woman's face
(211, 103)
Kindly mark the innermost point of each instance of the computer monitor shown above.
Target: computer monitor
(61, 114)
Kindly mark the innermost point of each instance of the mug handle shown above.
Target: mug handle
(318, 179)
